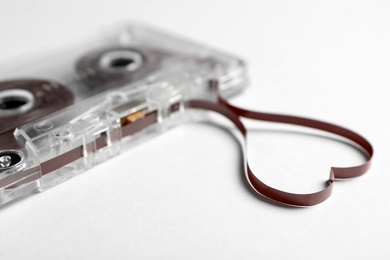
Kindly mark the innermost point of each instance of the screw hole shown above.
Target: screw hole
(9, 158)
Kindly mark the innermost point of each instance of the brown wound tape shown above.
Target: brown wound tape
(234, 114)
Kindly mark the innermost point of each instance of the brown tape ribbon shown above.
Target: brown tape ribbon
(234, 114)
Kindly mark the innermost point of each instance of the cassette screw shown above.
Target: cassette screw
(5, 161)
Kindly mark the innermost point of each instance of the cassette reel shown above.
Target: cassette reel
(100, 94)
(24, 100)
(109, 67)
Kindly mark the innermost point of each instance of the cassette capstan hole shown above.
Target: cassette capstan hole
(15, 101)
(121, 61)
(9, 158)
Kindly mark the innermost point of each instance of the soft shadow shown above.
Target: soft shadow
(18, 199)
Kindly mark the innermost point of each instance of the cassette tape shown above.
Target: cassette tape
(82, 102)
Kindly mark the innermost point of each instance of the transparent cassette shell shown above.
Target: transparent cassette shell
(127, 82)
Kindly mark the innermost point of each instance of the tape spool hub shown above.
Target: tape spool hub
(121, 61)
(112, 67)
(15, 101)
(25, 100)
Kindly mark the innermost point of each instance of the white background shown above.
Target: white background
(182, 195)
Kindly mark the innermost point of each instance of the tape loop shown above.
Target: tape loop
(234, 114)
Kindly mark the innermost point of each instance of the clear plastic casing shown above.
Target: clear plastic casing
(80, 104)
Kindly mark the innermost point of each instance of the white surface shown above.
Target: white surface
(172, 199)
